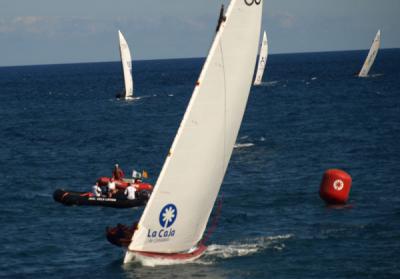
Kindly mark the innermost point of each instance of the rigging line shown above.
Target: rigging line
(214, 221)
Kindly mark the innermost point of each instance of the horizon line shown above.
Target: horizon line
(181, 58)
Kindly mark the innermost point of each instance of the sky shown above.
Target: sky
(58, 31)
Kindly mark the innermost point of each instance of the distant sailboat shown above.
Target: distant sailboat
(126, 61)
(371, 55)
(173, 223)
(262, 61)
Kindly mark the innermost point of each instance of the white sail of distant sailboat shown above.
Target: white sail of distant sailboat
(177, 213)
(262, 60)
(371, 55)
(126, 61)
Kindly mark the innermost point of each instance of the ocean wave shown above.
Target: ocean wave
(375, 75)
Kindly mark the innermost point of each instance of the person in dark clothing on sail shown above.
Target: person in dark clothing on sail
(121, 235)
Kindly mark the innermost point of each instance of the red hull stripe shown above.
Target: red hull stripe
(174, 256)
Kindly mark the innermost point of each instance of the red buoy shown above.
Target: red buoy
(335, 186)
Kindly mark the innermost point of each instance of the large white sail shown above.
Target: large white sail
(371, 55)
(126, 61)
(177, 213)
(262, 60)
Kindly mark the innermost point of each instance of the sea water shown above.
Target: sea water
(62, 127)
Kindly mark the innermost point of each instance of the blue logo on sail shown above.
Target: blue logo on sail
(167, 218)
(168, 215)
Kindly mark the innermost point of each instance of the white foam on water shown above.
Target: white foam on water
(243, 145)
(248, 247)
(215, 251)
(142, 97)
(270, 83)
(134, 98)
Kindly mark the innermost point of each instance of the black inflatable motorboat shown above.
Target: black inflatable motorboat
(87, 198)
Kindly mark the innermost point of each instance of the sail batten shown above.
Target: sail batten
(373, 52)
(126, 61)
(177, 213)
(262, 61)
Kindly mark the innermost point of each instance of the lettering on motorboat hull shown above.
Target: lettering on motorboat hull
(101, 199)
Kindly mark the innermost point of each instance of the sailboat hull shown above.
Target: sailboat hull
(167, 258)
(87, 199)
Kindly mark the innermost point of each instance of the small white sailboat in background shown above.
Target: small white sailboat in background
(371, 55)
(126, 61)
(172, 225)
(262, 61)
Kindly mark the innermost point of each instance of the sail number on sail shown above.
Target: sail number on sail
(251, 2)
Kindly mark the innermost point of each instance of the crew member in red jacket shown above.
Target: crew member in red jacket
(117, 174)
